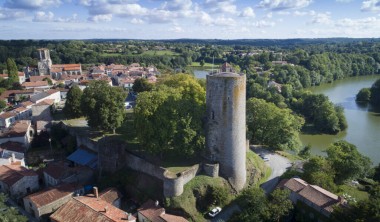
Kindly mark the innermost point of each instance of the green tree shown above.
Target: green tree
(254, 204)
(305, 152)
(72, 107)
(3, 104)
(202, 62)
(376, 175)
(347, 162)
(9, 213)
(375, 93)
(272, 126)
(142, 85)
(12, 71)
(48, 80)
(169, 119)
(318, 171)
(279, 204)
(103, 105)
(363, 95)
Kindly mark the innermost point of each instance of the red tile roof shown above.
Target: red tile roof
(155, 213)
(320, 197)
(51, 194)
(35, 84)
(10, 174)
(89, 209)
(7, 115)
(296, 184)
(110, 195)
(19, 128)
(38, 78)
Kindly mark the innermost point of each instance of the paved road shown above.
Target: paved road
(278, 164)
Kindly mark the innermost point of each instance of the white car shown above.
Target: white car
(265, 158)
(214, 211)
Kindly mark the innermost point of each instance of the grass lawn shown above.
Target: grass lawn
(206, 65)
(289, 156)
(353, 192)
(160, 53)
(109, 54)
(257, 171)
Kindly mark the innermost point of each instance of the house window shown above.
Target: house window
(213, 115)
(28, 190)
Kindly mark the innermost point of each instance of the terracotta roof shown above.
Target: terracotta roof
(65, 67)
(21, 74)
(52, 91)
(156, 213)
(4, 76)
(13, 146)
(173, 218)
(57, 170)
(89, 209)
(19, 128)
(35, 84)
(38, 78)
(295, 184)
(110, 195)
(7, 115)
(320, 197)
(27, 103)
(51, 194)
(151, 211)
(41, 125)
(45, 102)
(10, 174)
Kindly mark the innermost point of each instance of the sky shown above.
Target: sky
(200, 19)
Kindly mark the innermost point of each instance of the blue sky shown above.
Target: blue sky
(203, 19)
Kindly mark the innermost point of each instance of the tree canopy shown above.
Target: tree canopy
(346, 161)
(141, 85)
(12, 71)
(169, 118)
(72, 107)
(103, 105)
(10, 214)
(375, 93)
(272, 126)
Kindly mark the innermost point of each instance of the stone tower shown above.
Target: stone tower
(45, 63)
(226, 126)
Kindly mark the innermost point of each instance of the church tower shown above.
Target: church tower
(44, 65)
(226, 124)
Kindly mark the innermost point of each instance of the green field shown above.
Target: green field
(160, 52)
(206, 65)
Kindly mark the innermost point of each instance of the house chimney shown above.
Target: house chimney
(105, 209)
(13, 158)
(96, 193)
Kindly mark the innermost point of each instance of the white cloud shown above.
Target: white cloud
(137, 21)
(322, 18)
(176, 5)
(176, 29)
(221, 6)
(43, 16)
(344, 1)
(31, 4)
(222, 21)
(284, 4)
(264, 24)
(358, 23)
(6, 14)
(101, 18)
(247, 12)
(269, 15)
(371, 5)
(303, 13)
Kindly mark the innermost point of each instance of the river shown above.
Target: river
(363, 122)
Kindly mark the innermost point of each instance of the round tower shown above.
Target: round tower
(226, 126)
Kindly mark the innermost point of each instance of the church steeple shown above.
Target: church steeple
(45, 63)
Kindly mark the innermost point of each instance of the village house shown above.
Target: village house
(320, 200)
(90, 208)
(19, 113)
(151, 211)
(57, 70)
(111, 195)
(17, 181)
(42, 111)
(277, 86)
(11, 96)
(48, 94)
(12, 158)
(21, 131)
(61, 172)
(7, 119)
(36, 85)
(21, 77)
(48, 200)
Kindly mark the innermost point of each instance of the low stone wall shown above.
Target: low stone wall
(211, 170)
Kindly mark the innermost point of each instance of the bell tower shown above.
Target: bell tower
(45, 63)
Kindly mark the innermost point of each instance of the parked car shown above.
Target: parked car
(214, 211)
(265, 158)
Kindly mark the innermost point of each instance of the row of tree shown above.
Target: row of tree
(371, 95)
